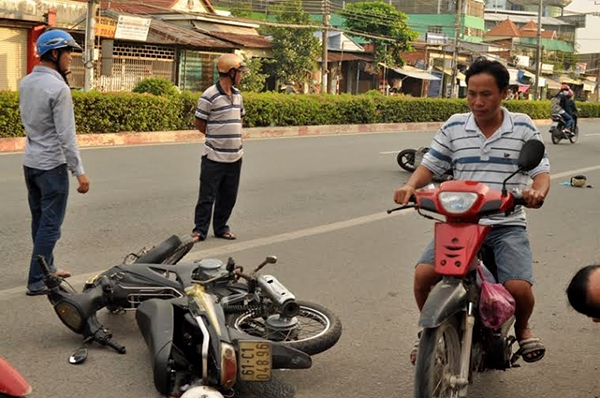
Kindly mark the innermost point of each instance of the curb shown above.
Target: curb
(182, 136)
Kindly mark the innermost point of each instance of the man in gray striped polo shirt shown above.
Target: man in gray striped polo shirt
(483, 146)
(219, 117)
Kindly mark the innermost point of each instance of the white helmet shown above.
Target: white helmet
(227, 62)
(202, 392)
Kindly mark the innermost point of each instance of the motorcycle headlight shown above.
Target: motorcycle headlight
(457, 202)
(70, 315)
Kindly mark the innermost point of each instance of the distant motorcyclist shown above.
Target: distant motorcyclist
(570, 107)
(557, 107)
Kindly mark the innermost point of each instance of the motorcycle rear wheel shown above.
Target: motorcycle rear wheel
(574, 137)
(438, 358)
(406, 159)
(318, 328)
(555, 138)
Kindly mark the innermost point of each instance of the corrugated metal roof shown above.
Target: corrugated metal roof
(253, 41)
(148, 7)
(340, 56)
(166, 33)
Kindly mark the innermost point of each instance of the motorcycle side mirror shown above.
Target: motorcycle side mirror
(531, 155)
(78, 356)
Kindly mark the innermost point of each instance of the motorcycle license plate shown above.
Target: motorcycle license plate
(254, 360)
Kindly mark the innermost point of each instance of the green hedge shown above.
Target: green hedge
(114, 112)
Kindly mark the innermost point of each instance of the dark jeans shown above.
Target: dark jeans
(48, 191)
(219, 184)
(568, 120)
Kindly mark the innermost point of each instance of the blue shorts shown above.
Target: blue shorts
(512, 252)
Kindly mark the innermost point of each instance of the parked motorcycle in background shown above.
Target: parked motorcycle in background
(410, 160)
(457, 339)
(559, 132)
(12, 383)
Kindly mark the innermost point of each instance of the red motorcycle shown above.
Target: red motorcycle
(12, 384)
(454, 341)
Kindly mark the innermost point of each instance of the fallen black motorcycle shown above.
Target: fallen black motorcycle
(207, 324)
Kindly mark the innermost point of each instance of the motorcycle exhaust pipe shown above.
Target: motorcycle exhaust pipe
(279, 295)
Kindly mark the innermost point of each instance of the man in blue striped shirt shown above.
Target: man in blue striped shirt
(483, 146)
(219, 117)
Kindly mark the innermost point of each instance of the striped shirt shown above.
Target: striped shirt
(47, 114)
(461, 145)
(223, 115)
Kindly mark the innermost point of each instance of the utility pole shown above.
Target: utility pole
(88, 54)
(457, 33)
(325, 39)
(538, 53)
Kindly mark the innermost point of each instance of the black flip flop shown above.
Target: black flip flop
(41, 292)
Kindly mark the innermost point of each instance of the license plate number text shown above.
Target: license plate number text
(254, 360)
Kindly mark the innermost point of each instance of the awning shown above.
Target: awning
(415, 73)
(516, 83)
(589, 86)
(553, 84)
(459, 75)
(528, 74)
(568, 80)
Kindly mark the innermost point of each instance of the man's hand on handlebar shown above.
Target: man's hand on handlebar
(403, 194)
(533, 198)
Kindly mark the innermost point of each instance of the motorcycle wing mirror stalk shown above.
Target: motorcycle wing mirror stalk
(530, 156)
(269, 260)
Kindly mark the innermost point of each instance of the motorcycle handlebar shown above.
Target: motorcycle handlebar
(412, 199)
(44, 265)
(116, 346)
(517, 201)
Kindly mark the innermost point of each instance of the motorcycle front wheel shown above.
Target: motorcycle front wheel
(317, 329)
(438, 359)
(406, 159)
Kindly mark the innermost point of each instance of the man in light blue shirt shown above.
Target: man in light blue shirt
(51, 149)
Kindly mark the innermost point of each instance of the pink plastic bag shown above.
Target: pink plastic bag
(496, 304)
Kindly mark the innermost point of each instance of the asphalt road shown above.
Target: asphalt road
(319, 205)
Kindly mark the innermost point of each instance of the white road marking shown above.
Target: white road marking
(285, 237)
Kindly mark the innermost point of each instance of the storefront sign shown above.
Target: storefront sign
(132, 28)
(105, 27)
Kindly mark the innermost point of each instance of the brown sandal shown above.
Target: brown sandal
(197, 236)
(62, 273)
(226, 235)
